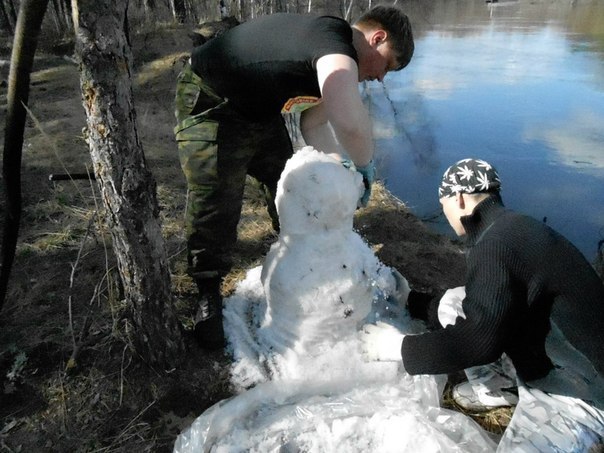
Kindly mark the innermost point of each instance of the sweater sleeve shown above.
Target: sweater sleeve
(480, 338)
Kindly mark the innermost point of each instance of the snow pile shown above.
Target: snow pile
(292, 327)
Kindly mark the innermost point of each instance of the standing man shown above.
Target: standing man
(229, 105)
(530, 294)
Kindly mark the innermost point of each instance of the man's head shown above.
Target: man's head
(465, 184)
(387, 31)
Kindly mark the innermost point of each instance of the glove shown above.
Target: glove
(381, 342)
(368, 173)
(450, 306)
(402, 290)
(419, 305)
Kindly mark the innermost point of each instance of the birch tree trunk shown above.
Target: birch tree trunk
(348, 9)
(127, 186)
(60, 13)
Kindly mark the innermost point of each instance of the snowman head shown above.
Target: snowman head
(316, 193)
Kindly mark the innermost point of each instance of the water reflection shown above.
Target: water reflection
(519, 83)
(577, 140)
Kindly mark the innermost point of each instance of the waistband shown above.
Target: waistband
(197, 80)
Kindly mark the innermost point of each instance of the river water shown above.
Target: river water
(517, 83)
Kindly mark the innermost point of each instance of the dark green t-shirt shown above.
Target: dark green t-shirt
(262, 64)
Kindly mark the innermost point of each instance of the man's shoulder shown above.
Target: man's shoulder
(509, 219)
(292, 24)
(523, 233)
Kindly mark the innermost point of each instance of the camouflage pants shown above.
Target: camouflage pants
(217, 148)
(542, 422)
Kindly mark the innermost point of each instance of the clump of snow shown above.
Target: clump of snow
(293, 325)
(320, 278)
(316, 194)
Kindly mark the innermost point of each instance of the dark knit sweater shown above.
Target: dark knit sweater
(521, 276)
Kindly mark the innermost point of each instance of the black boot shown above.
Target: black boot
(209, 331)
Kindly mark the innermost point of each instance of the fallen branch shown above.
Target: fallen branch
(71, 176)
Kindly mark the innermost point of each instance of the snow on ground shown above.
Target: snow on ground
(292, 328)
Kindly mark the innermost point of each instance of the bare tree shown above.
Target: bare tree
(179, 10)
(61, 13)
(347, 8)
(127, 186)
(5, 24)
(280, 6)
(10, 12)
(25, 42)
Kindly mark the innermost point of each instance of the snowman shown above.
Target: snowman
(320, 279)
(292, 327)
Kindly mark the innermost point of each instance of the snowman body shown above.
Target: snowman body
(320, 278)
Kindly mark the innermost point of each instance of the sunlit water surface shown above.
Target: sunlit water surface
(519, 84)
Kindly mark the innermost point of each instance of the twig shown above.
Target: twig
(63, 404)
(71, 363)
(6, 447)
(70, 176)
(83, 341)
(125, 430)
(178, 252)
(122, 374)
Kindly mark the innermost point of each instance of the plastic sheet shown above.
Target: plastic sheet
(333, 417)
(341, 404)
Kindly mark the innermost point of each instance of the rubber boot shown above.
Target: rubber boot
(209, 331)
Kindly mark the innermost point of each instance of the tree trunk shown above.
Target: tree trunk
(179, 11)
(62, 10)
(5, 24)
(280, 6)
(58, 16)
(347, 9)
(190, 11)
(149, 6)
(127, 186)
(11, 11)
(25, 42)
(242, 17)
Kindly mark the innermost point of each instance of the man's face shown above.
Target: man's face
(375, 64)
(453, 213)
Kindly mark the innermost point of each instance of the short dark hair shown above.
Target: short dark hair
(397, 25)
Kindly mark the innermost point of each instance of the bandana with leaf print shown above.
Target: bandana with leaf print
(469, 176)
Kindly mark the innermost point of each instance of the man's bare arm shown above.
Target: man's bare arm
(341, 108)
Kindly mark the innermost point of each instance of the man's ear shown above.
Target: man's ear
(378, 36)
(460, 200)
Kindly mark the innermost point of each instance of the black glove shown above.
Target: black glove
(424, 306)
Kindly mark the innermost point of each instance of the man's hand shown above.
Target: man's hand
(450, 306)
(368, 173)
(381, 342)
